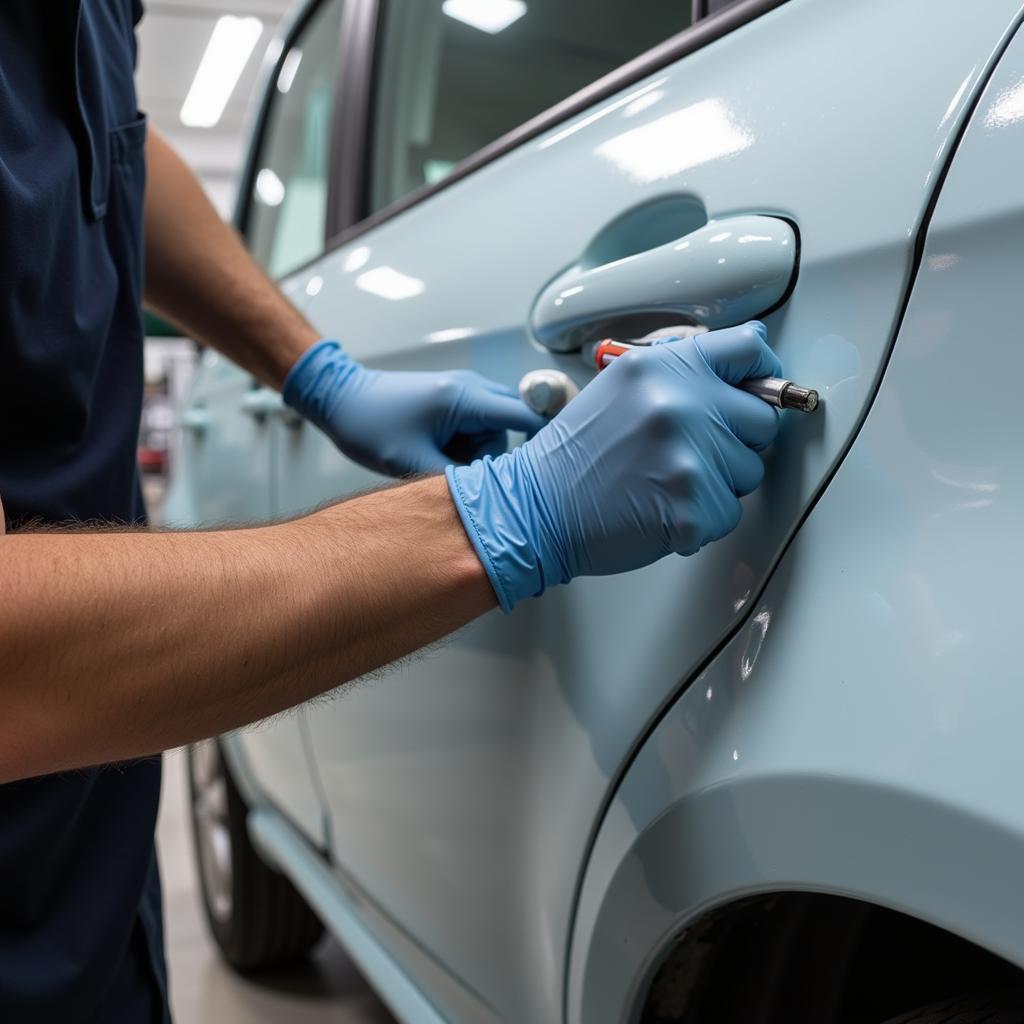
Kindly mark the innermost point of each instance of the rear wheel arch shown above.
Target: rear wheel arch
(792, 956)
(782, 838)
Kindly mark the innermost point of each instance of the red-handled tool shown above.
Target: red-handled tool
(774, 390)
(607, 351)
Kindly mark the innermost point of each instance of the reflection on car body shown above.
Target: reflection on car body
(774, 761)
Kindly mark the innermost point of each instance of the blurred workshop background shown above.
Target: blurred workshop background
(199, 62)
(181, 44)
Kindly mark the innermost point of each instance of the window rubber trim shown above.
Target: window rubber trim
(350, 117)
(352, 128)
(243, 199)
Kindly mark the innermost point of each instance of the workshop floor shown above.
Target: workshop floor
(328, 989)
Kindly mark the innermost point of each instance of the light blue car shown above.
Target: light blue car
(779, 782)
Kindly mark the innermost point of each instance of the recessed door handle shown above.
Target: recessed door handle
(725, 273)
(196, 419)
(264, 402)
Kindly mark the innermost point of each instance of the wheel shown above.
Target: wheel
(994, 1008)
(256, 916)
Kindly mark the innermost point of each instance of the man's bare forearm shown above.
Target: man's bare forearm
(120, 645)
(199, 275)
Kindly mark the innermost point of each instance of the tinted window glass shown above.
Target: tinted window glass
(457, 74)
(288, 206)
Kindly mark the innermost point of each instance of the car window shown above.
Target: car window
(454, 75)
(288, 206)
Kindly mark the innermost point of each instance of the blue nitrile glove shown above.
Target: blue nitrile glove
(399, 422)
(647, 460)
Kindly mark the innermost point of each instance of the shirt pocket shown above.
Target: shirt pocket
(128, 141)
(126, 179)
(125, 200)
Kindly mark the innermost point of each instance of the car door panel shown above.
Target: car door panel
(878, 738)
(224, 475)
(464, 786)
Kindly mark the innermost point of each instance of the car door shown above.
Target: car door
(232, 424)
(230, 418)
(464, 786)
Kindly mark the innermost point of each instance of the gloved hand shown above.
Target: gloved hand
(649, 459)
(400, 422)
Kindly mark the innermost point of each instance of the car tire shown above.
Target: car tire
(256, 916)
(995, 1008)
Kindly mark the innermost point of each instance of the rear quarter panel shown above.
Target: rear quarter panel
(861, 734)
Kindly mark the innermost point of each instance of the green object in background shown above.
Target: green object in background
(156, 327)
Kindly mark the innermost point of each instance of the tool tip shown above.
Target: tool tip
(796, 397)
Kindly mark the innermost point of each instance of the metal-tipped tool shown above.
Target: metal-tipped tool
(782, 393)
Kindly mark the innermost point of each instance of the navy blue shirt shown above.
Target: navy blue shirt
(80, 923)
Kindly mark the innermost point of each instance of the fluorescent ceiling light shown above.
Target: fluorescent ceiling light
(677, 142)
(269, 187)
(1007, 109)
(231, 44)
(356, 259)
(450, 334)
(624, 101)
(289, 68)
(487, 15)
(389, 283)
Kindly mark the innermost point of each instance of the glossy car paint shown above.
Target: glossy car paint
(861, 734)
(464, 789)
(724, 273)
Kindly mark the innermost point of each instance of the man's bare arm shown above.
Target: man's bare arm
(114, 646)
(199, 275)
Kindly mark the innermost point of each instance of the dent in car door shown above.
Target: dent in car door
(464, 787)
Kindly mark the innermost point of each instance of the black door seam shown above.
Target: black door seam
(348, 153)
